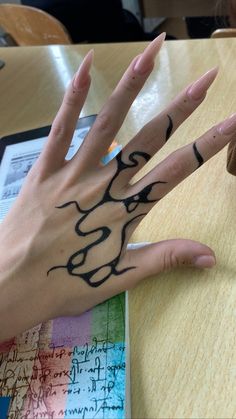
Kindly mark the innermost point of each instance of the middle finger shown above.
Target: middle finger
(111, 117)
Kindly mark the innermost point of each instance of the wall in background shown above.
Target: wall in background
(10, 1)
(148, 23)
(133, 6)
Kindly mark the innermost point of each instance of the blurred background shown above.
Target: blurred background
(94, 21)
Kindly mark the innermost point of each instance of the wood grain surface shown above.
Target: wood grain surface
(182, 323)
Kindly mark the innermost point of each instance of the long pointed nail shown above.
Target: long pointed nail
(198, 89)
(146, 59)
(81, 78)
(228, 126)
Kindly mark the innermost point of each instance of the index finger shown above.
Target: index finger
(112, 115)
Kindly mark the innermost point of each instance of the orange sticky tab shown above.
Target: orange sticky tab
(113, 145)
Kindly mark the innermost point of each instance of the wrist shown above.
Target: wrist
(27, 297)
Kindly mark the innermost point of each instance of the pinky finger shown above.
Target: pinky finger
(184, 161)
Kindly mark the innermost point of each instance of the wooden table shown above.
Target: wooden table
(183, 324)
(179, 8)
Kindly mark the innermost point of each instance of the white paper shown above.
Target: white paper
(17, 161)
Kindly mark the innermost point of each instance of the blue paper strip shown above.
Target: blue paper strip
(112, 154)
(4, 406)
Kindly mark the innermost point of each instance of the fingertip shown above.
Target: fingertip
(87, 61)
(204, 261)
(82, 77)
(212, 73)
(89, 58)
(157, 42)
(154, 46)
(198, 89)
(145, 61)
(228, 126)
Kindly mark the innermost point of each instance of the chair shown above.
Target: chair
(224, 33)
(31, 26)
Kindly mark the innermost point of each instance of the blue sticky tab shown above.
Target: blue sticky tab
(112, 154)
(4, 406)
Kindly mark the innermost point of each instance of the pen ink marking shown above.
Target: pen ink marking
(197, 155)
(169, 128)
(76, 262)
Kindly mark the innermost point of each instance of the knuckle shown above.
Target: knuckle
(59, 130)
(175, 165)
(119, 212)
(151, 145)
(36, 176)
(70, 100)
(131, 84)
(148, 141)
(184, 107)
(171, 261)
(211, 144)
(104, 123)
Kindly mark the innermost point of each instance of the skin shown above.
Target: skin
(68, 229)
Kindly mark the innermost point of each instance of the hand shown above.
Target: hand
(63, 244)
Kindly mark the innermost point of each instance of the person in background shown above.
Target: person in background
(204, 26)
(93, 21)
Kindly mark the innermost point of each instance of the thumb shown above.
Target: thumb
(152, 259)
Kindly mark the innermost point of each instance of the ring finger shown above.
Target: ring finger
(154, 134)
(180, 164)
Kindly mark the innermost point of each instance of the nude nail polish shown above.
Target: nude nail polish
(199, 88)
(228, 126)
(81, 78)
(146, 59)
(204, 261)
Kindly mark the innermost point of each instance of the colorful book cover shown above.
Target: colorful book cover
(68, 368)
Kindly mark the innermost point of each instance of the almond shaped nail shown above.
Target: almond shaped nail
(199, 88)
(81, 78)
(146, 59)
(228, 126)
(204, 261)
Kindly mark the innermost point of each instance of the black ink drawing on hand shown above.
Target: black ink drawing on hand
(78, 259)
(169, 128)
(197, 155)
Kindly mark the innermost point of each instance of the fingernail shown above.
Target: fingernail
(146, 59)
(228, 126)
(204, 261)
(82, 78)
(198, 89)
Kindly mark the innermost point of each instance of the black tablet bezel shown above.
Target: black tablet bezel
(36, 133)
